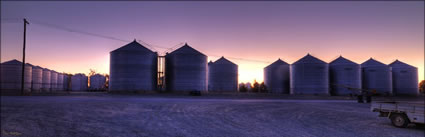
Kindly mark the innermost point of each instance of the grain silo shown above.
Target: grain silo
(208, 76)
(85, 83)
(223, 76)
(405, 78)
(240, 86)
(345, 77)
(376, 76)
(276, 77)
(53, 80)
(79, 82)
(309, 75)
(186, 70)
(59, 84)
(37, 78)
(66, 82)
(133, 67)
(11, 77)
(97, 82)
(46, 80)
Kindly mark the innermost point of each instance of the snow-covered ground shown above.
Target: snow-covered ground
(125, 115)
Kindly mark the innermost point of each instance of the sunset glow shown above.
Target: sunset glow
(262, 31)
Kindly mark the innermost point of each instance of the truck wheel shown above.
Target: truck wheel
(399, 120)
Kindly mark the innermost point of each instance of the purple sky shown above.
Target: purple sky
(253, 30)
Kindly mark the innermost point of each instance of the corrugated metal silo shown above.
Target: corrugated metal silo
(97, 82)
(79, 82)
(37, 78)
(309, 75)
(133, 68)
(66, 82)
(240, 85)
(276, 77)
(223, 76)
(53, 80)
(85, 84)
(59, 84)
(345, 77)
(376, 76)
(208, 76)
(405, 78)
(11, 77)
(186, 70)
(46, 80)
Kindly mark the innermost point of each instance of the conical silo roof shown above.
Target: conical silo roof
(16, 62)
(133, 46)
(186, 70)
(80, 74)
(372, 63)
(404, 78)
(12, 62)
(399, 64)
(276, 77)
(29, 64)
(309, 59)
(278, 62)
(223, 60)
(38, 67)
(186, 49)
(342, 61)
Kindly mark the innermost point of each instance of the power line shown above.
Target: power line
(173, 47)
(93, 34)
(153, 45)
(122, 40)
(242, 59)
(143, 43)
(77, 31)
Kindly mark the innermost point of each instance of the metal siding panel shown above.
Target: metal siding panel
(53, 81)
(97, 82)
(223, 77)
(343, 76)
(309, 75)
(405, 81)
(186, 71)
(46, 80)
(377, 78)
(79, 82)
(65, 85)
(37, 79)
(133, 71)
(59, 84)
(11, 77)
(276, 78)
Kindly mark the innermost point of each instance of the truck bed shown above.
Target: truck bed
(413, 110)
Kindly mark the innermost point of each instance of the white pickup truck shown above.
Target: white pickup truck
(401, 113)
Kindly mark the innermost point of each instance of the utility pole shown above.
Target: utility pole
(23, 56)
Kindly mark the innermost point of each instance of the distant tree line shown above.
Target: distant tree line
(262, 88)
(255, 87)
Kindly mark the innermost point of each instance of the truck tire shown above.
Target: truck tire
(399, 120)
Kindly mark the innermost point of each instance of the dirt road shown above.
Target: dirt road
(121, 116)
